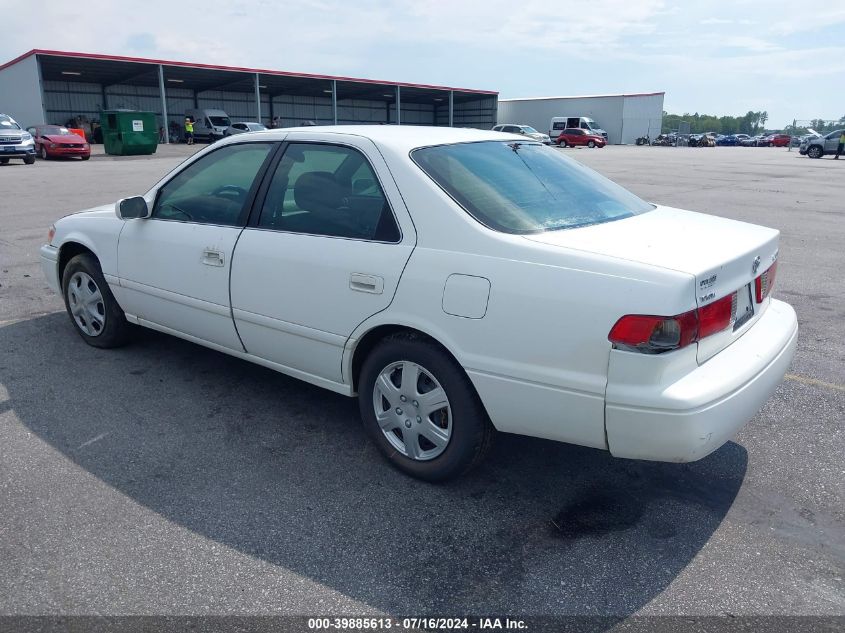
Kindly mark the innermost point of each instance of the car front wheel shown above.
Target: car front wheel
(44, 152)
(92, 308)
(815, 151)
(421, 410)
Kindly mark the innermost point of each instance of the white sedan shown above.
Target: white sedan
(456, 281)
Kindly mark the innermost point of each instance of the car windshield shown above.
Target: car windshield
(521, 188)
(8, 124)
(220, 121)
(255, 127)
(55, 130)
(529, 130)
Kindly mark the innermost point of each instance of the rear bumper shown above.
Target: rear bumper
(50, 266)
(687, 415)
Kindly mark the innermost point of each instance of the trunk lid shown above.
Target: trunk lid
(723, 255)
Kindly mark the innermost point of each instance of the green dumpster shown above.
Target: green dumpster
(127, 133)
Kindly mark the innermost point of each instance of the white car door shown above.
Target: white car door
(323, 251)
(174, 266)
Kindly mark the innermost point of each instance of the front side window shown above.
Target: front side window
(215, 188)
(220, 121)
(328, 190)
(522, 188)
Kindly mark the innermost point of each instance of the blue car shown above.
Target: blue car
(732, 139)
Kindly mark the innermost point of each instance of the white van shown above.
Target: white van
(560, 123)
(209, 125)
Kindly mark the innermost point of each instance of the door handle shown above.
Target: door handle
(366, 283)
(211, 257)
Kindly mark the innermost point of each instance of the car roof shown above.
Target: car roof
(401, 138)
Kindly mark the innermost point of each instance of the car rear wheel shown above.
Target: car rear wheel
(591, 144)
(92, 308)
(815, 151)
(419, 407)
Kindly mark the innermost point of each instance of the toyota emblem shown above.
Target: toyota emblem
(755, 265)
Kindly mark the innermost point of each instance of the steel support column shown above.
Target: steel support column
(398, 105)
(257, 100)
(334, 101)
(451, 108)
(165, 123)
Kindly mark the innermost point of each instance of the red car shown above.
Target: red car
(52, 141)
(778, 140)
(574, 136)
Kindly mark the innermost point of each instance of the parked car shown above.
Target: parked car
(751, 141)
(819, 146)
(244, 126)
(57, 141)
(422, 270)
(575, 137)
(560, 123)
(209, 125)
(778, 140)
(525, 130)
(734, 139)
(15, 142)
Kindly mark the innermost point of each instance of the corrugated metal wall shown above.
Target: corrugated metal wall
(20, 94)
(64, 100)
(479, 113)
(641, 115)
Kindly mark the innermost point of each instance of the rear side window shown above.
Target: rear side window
(516, 187)
(559, 125)
(215, 188)
(328, 190)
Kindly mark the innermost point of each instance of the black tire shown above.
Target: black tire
(815, 151)
(591, 144)
(29, 160)
(471, 430)
(44, 155)
(562, 143)
(116, 330)
(86, 157)
(5, 161)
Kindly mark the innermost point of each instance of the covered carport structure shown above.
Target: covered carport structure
(66, 85)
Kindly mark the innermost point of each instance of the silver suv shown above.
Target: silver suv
(821, 145)
(15, 142)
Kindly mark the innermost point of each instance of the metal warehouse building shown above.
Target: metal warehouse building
(624, 116)
(44, 86)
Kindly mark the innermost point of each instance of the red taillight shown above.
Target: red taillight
(764, 283)
(655, 334)
(717, 316)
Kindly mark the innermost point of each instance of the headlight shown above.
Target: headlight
(26, 136)
(53, 146)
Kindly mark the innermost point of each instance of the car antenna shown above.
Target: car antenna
(515, 146)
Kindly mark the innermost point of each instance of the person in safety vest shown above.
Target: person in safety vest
(189, 131)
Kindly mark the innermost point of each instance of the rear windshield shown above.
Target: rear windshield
(516, 187)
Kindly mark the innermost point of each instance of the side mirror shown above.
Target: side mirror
(132, 208)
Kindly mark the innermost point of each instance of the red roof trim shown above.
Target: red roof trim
(281, 73)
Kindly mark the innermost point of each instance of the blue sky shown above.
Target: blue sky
(712, 56)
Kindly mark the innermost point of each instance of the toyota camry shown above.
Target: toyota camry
(456, 282)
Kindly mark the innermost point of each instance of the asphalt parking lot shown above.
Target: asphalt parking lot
(165, 478)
